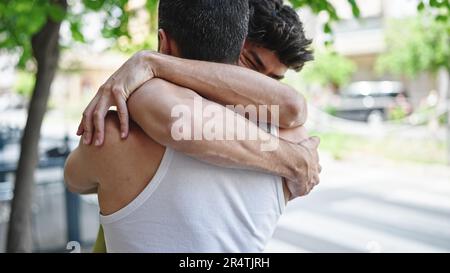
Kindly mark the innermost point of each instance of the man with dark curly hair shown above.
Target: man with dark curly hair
(277, 27)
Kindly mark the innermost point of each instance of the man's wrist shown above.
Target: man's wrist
(151, 61)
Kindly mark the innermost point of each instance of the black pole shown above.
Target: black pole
(72, 207)
(73, 216)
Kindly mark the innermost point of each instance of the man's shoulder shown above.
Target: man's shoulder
(137, 139)
(124, 166)
(120, 157)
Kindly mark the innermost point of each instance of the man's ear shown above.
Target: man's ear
(247, 45)
(164, 42)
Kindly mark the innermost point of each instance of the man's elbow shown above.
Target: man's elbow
(69, 174)
(295, 112)
(79, 168)
(74, 179)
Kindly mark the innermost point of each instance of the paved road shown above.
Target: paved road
(368, 206)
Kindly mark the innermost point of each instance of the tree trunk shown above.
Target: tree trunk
(45, 45)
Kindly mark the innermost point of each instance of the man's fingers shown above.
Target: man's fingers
(297, 189)
(86, 125)
(122, 111)
(99, 120)
(80, 128)
(316, 180)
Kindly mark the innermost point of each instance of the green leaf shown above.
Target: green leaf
(441, 18)
(26, 55)
(329, 68)
(327, 28)
(424, 46)
(56, 12)
(95, 5)
(75, 28)
(421, 6)
(355, 9)
(152, 5)
(38, 19)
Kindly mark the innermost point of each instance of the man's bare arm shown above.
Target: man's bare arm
(230, 85)
(226, 84)
(151, 107)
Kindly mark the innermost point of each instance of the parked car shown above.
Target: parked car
(372, 101)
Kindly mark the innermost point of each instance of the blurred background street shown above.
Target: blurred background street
(369, 205)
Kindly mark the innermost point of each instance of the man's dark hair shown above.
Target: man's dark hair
(208, 30)
(277, 27)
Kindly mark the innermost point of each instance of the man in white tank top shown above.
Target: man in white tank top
(154, 198)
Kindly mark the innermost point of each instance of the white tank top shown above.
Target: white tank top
(191, 206)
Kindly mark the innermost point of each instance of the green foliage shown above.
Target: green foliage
(424, 46)
(21, 19)
(439, 9)
(127, 46)
(330, 110)
(397, 114)
(392, 147)
(24, 83)
(329, 68)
